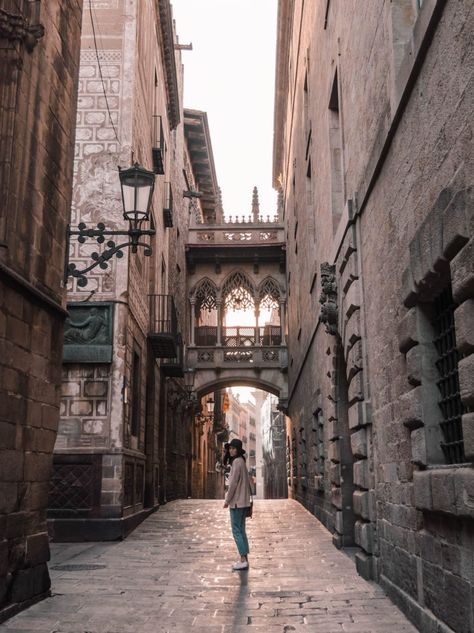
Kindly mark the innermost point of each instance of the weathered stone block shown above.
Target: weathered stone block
(466, 380)
(462, 273)
(364, 565)
(30, 582)
(81, 407)
(352, 300)
(464, 320)
(335, 474)
(359, 443)
(468, 435)
(422, 490)
(364, 536)
(333, 451)
(407, 331)
(443, 491)
(336, 497)
(8, 496)
(338, 522)
(37, 467)
(37, 549)
(418, 447)
(11, 465)
(359, 414)
(356, 388)
(70, 389)
(352, 329)
(455, 226)
(95, 388)
(360, 500)
(354, 360)
(361, 474)
(414, 359)
(411, 409)
(464, 491)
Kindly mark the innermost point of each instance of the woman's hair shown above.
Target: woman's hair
(226, 458)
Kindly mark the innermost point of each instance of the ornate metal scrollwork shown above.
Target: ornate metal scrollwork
(101, 259)
(328, 298)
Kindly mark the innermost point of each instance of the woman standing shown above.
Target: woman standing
(238, 500)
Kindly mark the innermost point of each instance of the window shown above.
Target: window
(448, 383)
(136, 387)
(336, 155)
(318, 439)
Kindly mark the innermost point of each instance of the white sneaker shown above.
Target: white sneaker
(240, 566)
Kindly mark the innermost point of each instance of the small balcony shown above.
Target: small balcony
(163, 333)
(174, 367)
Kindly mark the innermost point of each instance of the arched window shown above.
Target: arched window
(269, 294)
(206, 296)
(238, 292)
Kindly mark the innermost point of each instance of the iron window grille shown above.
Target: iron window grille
(448, 384)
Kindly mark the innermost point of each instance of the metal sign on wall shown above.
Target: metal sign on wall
(88, 333)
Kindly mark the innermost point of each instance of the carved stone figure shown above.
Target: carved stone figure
(328, 299)
(91, 330)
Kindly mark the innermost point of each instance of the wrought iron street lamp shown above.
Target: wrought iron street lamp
(189, 378)
(210, 406)
(137, 185)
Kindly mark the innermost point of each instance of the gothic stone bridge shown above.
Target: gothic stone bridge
(238, 266)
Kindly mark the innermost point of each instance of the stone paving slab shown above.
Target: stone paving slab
(173, 574)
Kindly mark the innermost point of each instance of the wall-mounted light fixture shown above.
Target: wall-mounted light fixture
(137, 185)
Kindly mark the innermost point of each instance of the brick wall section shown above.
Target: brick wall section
(38, 99)
(405, 229)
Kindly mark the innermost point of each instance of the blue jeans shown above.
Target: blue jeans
(237, 522)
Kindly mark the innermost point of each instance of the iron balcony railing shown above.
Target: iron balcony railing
(174, 366)
(269, 336)
(163, 334)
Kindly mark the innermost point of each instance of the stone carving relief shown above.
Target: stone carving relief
(328, 298)
(88, 333)
(15, 27)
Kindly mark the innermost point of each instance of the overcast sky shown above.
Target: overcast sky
(230, 75)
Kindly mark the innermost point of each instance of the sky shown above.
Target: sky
(230, 74)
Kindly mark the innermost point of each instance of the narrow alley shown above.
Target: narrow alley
(174, 573)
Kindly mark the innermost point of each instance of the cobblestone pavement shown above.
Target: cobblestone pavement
(174, 574)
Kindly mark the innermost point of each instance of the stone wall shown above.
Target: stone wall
(38, 91)
(400, 154)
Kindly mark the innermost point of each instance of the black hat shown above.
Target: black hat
(236, 443)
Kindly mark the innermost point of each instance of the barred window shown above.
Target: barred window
(448, 384)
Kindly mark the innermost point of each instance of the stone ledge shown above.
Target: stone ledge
(446, 490)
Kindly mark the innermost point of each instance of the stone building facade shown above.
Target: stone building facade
(374, 155)
(125, 436)
(38, 93)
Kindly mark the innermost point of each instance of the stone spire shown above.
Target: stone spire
(255, 205)
(219, 207)
(280, 204)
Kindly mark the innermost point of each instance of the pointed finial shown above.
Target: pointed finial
(255, 205)
(219, 207)
(280, 204)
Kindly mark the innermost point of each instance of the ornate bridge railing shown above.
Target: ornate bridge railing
(228, 358)
(239, 336)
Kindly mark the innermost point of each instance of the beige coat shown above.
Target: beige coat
(238, 495)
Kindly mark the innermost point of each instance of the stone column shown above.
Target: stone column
(257, 328)
(282, 322)
(193, 322)
(219, 322)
